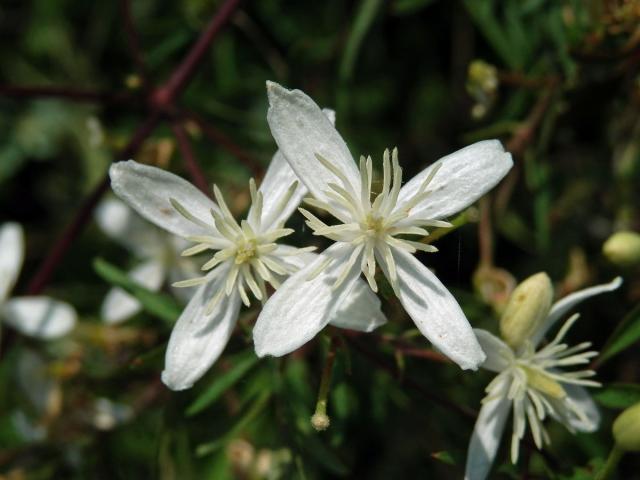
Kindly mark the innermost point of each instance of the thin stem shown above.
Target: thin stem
(220, 138)
(67, 93)
(133, 40)
(189, 158)
(610, 467)
(320, 420)
(485, 234)
(82, 217)
(165, 95)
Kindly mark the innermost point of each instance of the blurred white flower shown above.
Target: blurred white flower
(36, 316)
(530, 383)
(367, 232)
(248, 257)
(157, 251)
(108, 414)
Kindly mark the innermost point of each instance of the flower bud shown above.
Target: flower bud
(626, 429)
(320, 421)
(623, 248)
(527, 308)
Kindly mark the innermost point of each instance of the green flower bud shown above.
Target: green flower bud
(527, 308)
(626, 429)
(623, 248)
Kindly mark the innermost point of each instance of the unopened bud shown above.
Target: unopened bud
(527, 308)
(623, 248)
(626, 429)
(320, 421)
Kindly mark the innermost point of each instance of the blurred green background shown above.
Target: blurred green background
(557, 81)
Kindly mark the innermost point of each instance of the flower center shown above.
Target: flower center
(374, 225)
(544, 383)
(246, 251)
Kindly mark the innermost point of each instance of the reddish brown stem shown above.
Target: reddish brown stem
(82, 217)
(220, 138)
(382, 363)
(75, 94)
(189, 158)
(133, 40)
(164, 96)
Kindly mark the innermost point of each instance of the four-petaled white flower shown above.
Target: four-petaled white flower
(248, 258)
(37, 316)
(368, 232)
(158, 252)
(530, 383)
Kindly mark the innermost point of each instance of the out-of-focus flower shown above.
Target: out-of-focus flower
(623, 248)
(158, 252)
(368, 231)
(107, 414)
(248, 258)
(530, 383)
(482, 85)
(36, 316)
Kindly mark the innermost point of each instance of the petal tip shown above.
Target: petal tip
(174, 384)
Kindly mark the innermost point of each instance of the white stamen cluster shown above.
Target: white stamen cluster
(533, 384)
(371, 227)
(247, 250)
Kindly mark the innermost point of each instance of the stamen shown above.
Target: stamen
(192, 282)
(333, 169)
(347, 268)
(201, 247)
(316, 271)
(185, 213)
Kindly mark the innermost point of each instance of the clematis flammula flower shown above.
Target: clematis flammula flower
(36, 316)
(247, 258)
(371, 232)
(158, 254)
(531, 382)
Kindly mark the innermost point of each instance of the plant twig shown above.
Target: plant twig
(189, 158)
(220, 138)
(133, 40)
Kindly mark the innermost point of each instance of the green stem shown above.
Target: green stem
(320, 420)
(612, 462)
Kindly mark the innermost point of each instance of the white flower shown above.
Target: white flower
(248, 258)
(37, 316)
(368, 231)
(157, 251)
(531, 383)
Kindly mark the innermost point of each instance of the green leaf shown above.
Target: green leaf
(406, 7)
(158, 304)
(618, 395)
(255, 409)
(242, 364)
(626, 334)
(364, 19)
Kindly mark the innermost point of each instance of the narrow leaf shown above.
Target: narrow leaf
(158, 304)
(618, 395)
(626, 334)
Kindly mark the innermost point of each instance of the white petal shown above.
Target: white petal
(128, 228)
(464, 176)
(580, 396)
(148, 191)
(360, 311)
(562, 306)
(300, 308)
(11, 256)
(498, 353)
(40, 317)
(119, 305)
(435, 312)
(301, 131)
(485, 438)
(274, 187)
(276, 183)
(197, 340)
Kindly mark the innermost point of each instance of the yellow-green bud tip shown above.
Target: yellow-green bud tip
(623, 248)
(320, 421)
(527, 308)
(626, 429)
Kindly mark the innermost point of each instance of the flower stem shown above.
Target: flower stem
(612, 463)
(320, 420)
